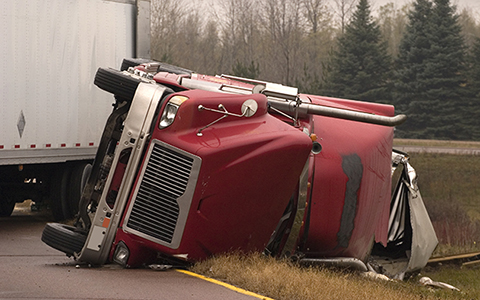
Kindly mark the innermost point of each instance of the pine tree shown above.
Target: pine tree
(361, 67)
(431, 74)
(252, 71)
(413, 52)
(474, 73)
(473, 107)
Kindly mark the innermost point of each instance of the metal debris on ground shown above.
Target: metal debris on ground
(429, 282)
(374, 275)
(157, 267)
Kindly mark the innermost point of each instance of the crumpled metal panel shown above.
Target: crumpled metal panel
(411, 236)
(424, 239)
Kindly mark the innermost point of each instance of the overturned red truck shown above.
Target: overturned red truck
(191, 165)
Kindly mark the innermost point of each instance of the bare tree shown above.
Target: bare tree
(316, 13)
(285, 41)
(166, 16)
(284, 28)
(188, 40)
(210, 49)
(239, 32)
(316, 44)
(344, 10)
(392, 23)
(470, 27)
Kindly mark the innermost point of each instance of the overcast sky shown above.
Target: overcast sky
(461, 4)
(473, 5)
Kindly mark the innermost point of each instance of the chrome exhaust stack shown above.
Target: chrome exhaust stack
(286, 100)
(304, 109)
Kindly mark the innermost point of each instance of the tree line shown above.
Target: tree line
(424, 57)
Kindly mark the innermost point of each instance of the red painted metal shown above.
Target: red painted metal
(168, 78)
(367, 216)
(244, 183)
(250, 169)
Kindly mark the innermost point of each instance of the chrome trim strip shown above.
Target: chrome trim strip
(292, 238)
(135, 136)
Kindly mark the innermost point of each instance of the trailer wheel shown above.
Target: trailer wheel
(58, 193)
(78, 178)
(66, 238)
(117, 83)
(7, 204)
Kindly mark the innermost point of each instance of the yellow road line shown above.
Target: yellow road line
(228, 286)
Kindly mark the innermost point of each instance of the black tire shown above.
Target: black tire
(78, 178)
(121, 85)
(65, 238)
(58, 193)
(7, 205)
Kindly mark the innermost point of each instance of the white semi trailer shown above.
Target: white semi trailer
(51, 114)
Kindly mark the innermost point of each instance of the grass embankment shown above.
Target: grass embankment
(450, 188)
(283, 280)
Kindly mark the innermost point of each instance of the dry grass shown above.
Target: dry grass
(284, 280)
(450, 186)
(466, 279)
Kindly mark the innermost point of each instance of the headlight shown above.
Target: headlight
(170, 111)
(121, 254)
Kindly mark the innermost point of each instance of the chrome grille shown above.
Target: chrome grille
(155, 210)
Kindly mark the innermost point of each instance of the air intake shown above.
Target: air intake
(155, 210)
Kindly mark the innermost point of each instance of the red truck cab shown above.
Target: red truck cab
(191, 165)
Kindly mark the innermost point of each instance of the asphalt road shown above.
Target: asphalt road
(29, 269)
